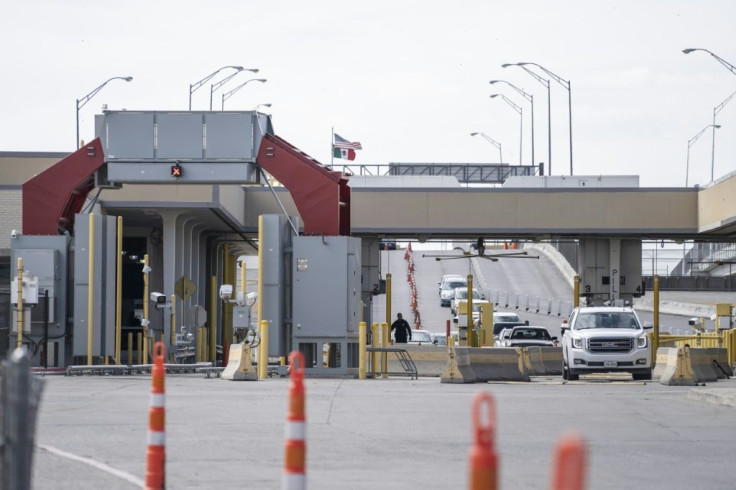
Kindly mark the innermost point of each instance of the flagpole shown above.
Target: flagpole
(332, 148)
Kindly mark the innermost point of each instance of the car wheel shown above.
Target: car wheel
(571, 376)
(565, 371)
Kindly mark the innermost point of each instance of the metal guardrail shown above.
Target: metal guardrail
(122, 369)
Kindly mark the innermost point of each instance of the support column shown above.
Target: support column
(614, 263)
(171, 257)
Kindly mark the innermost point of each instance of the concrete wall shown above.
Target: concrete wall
(717, 205)
(12, 215)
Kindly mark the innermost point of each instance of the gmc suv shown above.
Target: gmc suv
(605, 339)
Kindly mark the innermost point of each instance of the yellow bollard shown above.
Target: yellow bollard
(119, 291)
(139, 350)
(374, 343)
(362, 352)
(263, 351)
(212, 341)
(130, 348)
(388, 298)
(145, 309)
(20, 303)
(90, 286)
(282, 361)
(172, 329)
(576, 292)
(384, 343)
(655, 331)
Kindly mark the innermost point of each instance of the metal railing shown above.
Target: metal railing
(466, 173)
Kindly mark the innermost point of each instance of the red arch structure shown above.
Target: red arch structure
(53, 197)
(322, 196)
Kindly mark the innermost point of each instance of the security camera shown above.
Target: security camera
(146, 269)
(15, 234)
(158, 298)
(226, 292)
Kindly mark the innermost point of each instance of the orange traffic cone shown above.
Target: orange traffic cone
(295, 450)
(483, 458)
(156, 453)
(569, 461)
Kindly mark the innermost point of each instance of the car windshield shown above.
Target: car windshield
(417, 336)
(506, 318)
(453, 284)
(440, 340)
(607, 319)
(530, 334)
(463, 294)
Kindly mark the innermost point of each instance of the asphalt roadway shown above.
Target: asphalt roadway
(387, 433)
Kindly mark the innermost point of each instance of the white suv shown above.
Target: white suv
(605, 339)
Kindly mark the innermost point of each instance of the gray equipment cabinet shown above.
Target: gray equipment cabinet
(326, 302)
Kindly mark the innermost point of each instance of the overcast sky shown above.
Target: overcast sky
(408, 79)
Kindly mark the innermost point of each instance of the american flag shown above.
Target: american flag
(341, 142)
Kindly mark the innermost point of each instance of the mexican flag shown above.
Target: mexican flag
(344, 153)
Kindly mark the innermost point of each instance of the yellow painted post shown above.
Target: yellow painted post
(486, 322)
(172, 331)
(212, 342)
(282, 361)
(19, 343)
(119, 293)
(228, 262)
(472, 338)
(576, 292)
(374, 343)
(655, 332)
(388, 300)
(384, 343)
(90, 286)
(139, 349)
(362, 352)
(145, 310)
(263, 351)
(130, 348)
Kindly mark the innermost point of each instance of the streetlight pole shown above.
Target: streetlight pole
(566, 84)
(528, 97)
(491, 141)
(725, 63)
(544, 82)
(229, 94)
(83, 101)
(716, 110)
(520, 110)
(197, 85)
(222, 82)
(690, 143)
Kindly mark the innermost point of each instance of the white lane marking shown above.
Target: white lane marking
(95, 464)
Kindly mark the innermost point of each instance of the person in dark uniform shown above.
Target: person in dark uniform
(402, 329)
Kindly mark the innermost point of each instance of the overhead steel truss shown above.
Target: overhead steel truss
(466, 173)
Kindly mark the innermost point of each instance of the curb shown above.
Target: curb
(714, 397)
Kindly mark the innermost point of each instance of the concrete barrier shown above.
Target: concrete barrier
(543, 361)
(458, 370)
(498, 364)
(430, 360)
(674, 367)
(239, 365)
(703, 363)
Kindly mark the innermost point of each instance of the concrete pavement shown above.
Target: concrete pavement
(390, 434)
